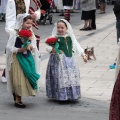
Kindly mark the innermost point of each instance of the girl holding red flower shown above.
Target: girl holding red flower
(62, 76)
(21, 69)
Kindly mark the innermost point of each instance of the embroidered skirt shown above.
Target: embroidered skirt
(53, 89)
(20, 83)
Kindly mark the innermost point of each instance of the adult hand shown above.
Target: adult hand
(34, 16)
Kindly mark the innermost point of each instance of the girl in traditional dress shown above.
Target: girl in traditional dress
(68, 5)
(62, 76)
(22, 69)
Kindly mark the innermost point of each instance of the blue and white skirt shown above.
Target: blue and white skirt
(69, 91)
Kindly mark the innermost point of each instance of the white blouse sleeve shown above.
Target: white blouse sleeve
(48, 48)
(78, 48)
(15, 50)
(10, 16)
(38, 12)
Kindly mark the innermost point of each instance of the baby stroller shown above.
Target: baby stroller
(46, 9)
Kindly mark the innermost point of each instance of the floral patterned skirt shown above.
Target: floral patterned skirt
(53, 89)
(115, 101)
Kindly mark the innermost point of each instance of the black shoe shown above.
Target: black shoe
(20, 105)
(93, 28)
(82, 29)
(88, 28)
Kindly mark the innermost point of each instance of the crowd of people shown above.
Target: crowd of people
(66, 6)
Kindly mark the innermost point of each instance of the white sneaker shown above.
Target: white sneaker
(4, 80)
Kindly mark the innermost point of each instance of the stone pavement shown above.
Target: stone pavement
(97, 80)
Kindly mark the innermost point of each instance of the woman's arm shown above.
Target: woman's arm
(10, 16)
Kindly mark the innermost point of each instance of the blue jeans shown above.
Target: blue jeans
(118, 29)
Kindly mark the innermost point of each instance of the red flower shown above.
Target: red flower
(51, 41)
(25, 33)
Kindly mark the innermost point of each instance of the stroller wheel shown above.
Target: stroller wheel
(44, 21)
(50, 19)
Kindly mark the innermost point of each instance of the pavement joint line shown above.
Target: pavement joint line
(104, 39)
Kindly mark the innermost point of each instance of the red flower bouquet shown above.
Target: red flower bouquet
(25, 37)
(25, 33)
(51, 41)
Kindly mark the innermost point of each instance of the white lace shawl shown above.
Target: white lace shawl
(76, 46)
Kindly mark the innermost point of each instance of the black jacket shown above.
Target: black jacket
(116, 9)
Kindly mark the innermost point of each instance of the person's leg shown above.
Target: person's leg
(102, 6)
(85, 25)
(37, 43)
(85, 17)
(67, 15)
(18, 102)
(90, 23)
(118, 29)
(94, 20)
(4, 80)
(90, 20)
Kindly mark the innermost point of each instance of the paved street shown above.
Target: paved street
(97, 80)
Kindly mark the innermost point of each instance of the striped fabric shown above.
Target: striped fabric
(34, 6)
